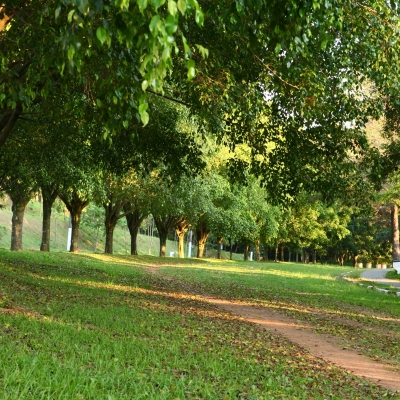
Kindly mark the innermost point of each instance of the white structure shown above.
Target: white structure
(396, 265)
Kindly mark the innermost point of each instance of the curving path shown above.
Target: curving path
(322, 346)
(379, 276)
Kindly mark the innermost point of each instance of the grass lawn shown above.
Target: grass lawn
(102, 327)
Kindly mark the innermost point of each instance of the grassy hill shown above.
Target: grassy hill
(92, 238)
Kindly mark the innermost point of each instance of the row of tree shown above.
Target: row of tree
(80, 171)
(96, 97)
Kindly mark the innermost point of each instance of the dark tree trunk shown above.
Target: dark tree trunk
(219, 244)
(282, 252)
(113, 214)
(7, 122)
(297, 257)
(290, 255)
(134, 219)
(395, 232)
(266, 250)
(202, 233)
(109, 247)
(276, 254)
(246, 252)
(75, 206)
(314, 256)
(18, 211)
(230, 248)
(164, 225)
(49, 196)
(181, 228)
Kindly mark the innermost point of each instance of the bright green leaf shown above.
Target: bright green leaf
(101, 34)
(191, 70)
(172, 7)
(71, 52)
(145, 118)
(70, 14)
(182, 6)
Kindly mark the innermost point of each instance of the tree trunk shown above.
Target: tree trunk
(257, 251)
(395, 232)
(113, 214)
(282, 252)
(76, 222)
(297, 256)
(49, 197)
(276, 254)
(266, 249)
(230, 248)
(75, 206)
(355, 256)
(202, 233)
(341, 258)
(164, 225)
(109, 247)
(314, 256)
(18, 211)
(246, 252)
(134, 219)
(290, 255)
(219, 245)
(181, 228)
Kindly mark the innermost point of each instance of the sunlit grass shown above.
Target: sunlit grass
(102, 327)
(360, 318)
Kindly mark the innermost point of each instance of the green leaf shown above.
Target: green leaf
(70, 14)
(191, 70)
(172, 7)
(278, 48)
(143, 107)
(203, 51)
(101, 34)
(182, 6)
(142, 4)
(83, 6)
(157, 3)
(171, 24)
(199, 17)
(71, 52)
(145, 118)
(145, 85)
(124, 5)
(153, 24)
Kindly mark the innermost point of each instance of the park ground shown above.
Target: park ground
(90, 326)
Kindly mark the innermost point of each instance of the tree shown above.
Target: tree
(296, 51)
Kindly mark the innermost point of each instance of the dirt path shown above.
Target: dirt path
(319, 345)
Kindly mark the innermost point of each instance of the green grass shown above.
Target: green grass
(100, 327)
(393, 275)
(361, 318)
